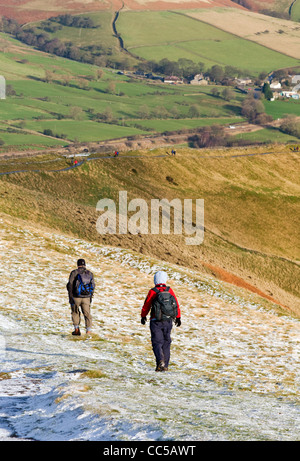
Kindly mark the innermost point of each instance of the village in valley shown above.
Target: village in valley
(282, 83)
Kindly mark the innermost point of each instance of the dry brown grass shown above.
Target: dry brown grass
(278, 34)
(251, 210)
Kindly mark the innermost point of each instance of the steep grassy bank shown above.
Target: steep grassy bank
(251, 209)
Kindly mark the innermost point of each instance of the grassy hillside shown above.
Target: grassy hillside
(234, 360)
(251, 209)
(73, 101)
(48, 88)
(77, 103)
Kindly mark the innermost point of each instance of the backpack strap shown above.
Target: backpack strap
(158, 291)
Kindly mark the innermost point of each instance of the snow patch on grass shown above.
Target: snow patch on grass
(234, 370)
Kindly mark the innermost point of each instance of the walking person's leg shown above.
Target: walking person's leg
(157, 339)
(75, 313)
(86, 310)
(167, 328)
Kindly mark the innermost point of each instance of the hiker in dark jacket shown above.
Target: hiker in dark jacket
(160, 328)
(81, 286)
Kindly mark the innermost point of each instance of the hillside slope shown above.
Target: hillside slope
(35, 10)
(251, 209)
(234, 361)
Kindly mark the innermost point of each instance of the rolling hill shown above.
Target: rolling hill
(26, 11)
(251, 208)
(35, 10)
(59, 101)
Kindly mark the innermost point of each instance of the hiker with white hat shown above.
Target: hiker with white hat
(162, 302)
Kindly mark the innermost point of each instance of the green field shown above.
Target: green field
(157, 35)
(75, 103)
(282, 108)
(182, 124)
(83, 131)
(71, 102)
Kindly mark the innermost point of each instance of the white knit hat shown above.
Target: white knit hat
(160, 277)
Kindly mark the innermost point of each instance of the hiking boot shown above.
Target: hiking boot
(160, 366)
(76, 332)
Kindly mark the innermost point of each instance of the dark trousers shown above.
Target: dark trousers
(161, 340)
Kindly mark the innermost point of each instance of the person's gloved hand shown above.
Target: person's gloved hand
(143, 320)
(178, 321)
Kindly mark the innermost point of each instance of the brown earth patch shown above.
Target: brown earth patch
(25, 11)
(227, 277)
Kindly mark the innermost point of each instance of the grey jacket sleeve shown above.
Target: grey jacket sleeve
(93, 283)
(70, 286)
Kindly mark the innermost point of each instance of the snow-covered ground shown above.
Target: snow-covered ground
(234, 370)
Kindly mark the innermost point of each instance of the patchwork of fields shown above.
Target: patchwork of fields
(68, 98)
(154, 35)
(55, 101)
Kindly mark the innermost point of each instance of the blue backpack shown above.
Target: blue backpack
(84, 287)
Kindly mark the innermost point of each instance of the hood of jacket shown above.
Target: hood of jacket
(160, 277)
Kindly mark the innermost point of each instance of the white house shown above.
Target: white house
(290, 94)
(275, 85)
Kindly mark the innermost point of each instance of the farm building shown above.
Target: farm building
(199, 80)
(2, 87)
(243, 81)
(173, 80)
(275, 85)
(295, 79)
(290, 94)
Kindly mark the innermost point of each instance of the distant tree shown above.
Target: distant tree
(74, 53)
(167, 67)
(66, 78)
(254, 111)
(228, 94)
(111, 89)
(76, 113)
(83, 83)
(194, 111)
(291, 126)
(107, 115)
(262, 76)
(52, 45)
(144, 112)
(10, 91)
(280, 73)
(41, 39)
(231, 71)
(209, 136)
(215, 92)
(99, 74)
(160, 112)
(48, 132)
(216, 73)
(267, 91)
(48, 76)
